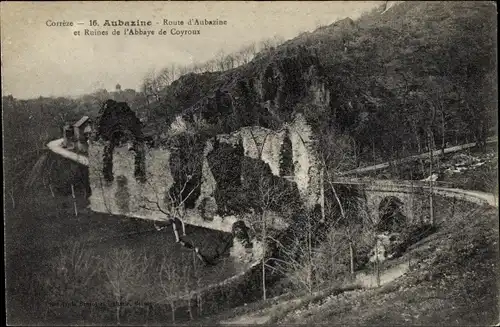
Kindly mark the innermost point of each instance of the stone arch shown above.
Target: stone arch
(391, 211)
(240, 232)
(117, 125)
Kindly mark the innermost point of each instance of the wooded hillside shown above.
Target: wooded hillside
(418, 74)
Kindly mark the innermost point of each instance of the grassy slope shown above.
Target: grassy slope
(453, 281)
(42, 230)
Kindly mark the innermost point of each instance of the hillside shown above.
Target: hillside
(451, 281)
(392, 81)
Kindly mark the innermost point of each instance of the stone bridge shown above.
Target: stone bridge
(410, 198)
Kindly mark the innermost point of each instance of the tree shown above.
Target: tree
(270, 43)
(268, 194)
(155, 82)
(297, 253)
(170, 283)
(166, 76)
(245, 54)
(126, 276)
(336, 154)
(185, 168)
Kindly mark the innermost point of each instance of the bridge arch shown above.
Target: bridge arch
(391, 214)
(382, 205)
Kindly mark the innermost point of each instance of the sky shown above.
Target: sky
(40, 60)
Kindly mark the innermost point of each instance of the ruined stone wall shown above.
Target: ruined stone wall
(306, 164)
(208, 182)
(262, 143)
(126, 195)
(265, 144)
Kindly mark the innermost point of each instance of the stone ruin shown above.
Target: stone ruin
(129, 176)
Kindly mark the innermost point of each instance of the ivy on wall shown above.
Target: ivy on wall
(116, 125)
(286, 156)
(139, 163)
(107, 162)
(225, 163)
(242, 181)
(186, 159)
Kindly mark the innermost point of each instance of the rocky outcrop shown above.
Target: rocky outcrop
(264, 92)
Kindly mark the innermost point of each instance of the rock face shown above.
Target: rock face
(264, 92)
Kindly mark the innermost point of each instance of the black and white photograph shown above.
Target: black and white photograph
(204, 163)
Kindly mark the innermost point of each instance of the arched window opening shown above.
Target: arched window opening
(117, 125)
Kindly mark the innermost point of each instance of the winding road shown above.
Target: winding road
(56, 147)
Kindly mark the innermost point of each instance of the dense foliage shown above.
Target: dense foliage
(419, 73)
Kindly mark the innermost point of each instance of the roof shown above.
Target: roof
(82, 121)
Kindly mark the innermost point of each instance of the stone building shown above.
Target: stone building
(75, 137)
(82, 129)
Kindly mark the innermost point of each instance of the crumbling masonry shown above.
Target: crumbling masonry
(129, 177)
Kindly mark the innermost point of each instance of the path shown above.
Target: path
(363, 279)
(386, 276)
(56, 146)
(481, 197)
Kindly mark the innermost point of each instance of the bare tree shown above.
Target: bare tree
(229, 61)
(185, 184)
(210, 65)
(150, 87)
(198, 68)
(170, 283)
(71, 274)
(246, 54)
(126, 276)
(220, 59)
(186, 169)
(271, 43)
(166, 76)
(297, 260)
(270, 194)
(338, 153)
(183, 70)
